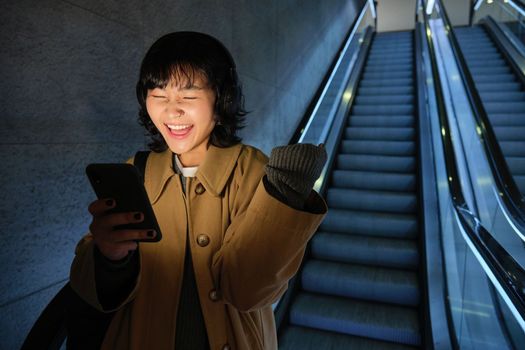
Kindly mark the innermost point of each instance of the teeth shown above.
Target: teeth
(178, 127)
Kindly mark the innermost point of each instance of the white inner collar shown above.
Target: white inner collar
(189, 171)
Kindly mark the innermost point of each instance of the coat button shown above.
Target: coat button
(203, 240)
(199, 189)
(226, 347)
(214, 295)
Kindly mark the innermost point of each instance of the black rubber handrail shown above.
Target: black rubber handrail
(508, 190)
(510, 275)
(436, 315)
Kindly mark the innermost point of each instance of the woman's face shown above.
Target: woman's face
(183, 112)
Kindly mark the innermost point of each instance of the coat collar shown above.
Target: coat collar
(213, 173)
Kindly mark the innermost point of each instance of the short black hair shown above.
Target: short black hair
(186, 55)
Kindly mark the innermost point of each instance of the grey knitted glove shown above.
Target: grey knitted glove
(292, 171)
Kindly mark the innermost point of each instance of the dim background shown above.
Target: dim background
(67, 84)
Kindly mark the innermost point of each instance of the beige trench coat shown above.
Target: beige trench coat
(245, 245)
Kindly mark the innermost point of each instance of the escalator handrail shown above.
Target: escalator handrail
(519, 5)
(508, 48)
(508, 190)
(436, 316)
(508, 273)
(317, 99)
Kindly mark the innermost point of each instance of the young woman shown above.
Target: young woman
(234, 223)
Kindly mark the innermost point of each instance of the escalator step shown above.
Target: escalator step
(484, 46)
(384, 83)
(516, 165)
(471, 31)
(382, 121)
(356, 317)
(479, 42)
(495, 96)
(494, 78)
(489, 86)
(510, 133)
(390, 90)
(507, 119)
(505, 107)
(391, 50)
(381, 61)
(392, 74)
(395, 55)
(367, 180)
(392, 40)
(472, 37)
(475, 30)
(482, 57)
(387, 148)
(379, 284)
(401, 47)
(371, 224)
(394, 164)
(383, 109)
(492, 62)
(389, 68)
(468, 36)
(379, 134)
(394, 36)
(388, 51)
(367, 200)
(520, 182)
(382, 99)
(486, 70)
(513, 148)
(393, 46)
(364, 250)
(481, 50)
(295, 338)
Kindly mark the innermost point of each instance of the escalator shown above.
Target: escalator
(360, 286)
(502, 94)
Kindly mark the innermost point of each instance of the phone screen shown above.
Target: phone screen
(124, 184)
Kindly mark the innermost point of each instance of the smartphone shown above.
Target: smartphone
(124, 184)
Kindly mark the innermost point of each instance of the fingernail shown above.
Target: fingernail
(137, 216)
(110, 202)
(151, 233)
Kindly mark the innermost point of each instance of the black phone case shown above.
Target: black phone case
(124, 183)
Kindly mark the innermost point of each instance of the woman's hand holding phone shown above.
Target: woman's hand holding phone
(112, 242)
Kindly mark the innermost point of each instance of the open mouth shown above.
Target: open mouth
(179, 130)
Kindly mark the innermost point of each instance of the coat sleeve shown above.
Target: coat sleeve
(85, 281)
(263, 246)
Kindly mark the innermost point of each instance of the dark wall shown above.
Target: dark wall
(68, 71)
